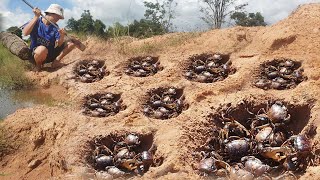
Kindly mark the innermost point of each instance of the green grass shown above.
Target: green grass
(156, 46)
(4, 144)
(12, 71)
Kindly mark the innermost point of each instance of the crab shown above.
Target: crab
(101, 161)
(277, 115)
(269, 135)
(300, 143)
(142, 66)
(164, 103)
(138, 163)
(238, 172)
(263, 83)
(254, 165)
(301, 154)
(275, 153)
(212, 164)
(114, 171)
(132, 140)
(101, 149)
(233, 128)
(90, 71)
(235, 147)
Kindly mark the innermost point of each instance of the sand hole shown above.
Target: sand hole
(280, 74)
(265, 135)
(123, 154)
(208, 68)
(88, 71)
(143, 66)
(102, 104)
(164, 103)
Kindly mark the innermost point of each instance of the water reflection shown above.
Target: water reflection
(11, 100)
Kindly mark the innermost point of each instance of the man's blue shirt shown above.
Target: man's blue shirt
(45, 35)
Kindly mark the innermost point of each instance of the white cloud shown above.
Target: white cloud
(188, 16)
(14, 17)
(111, 11)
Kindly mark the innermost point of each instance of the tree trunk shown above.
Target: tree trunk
(15, 45)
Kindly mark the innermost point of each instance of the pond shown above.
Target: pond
(11, 100)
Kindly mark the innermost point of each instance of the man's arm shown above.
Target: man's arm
(28, 28)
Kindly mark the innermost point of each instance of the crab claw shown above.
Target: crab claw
(275, 153)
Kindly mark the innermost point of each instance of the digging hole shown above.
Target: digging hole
(280, 74)
(143, 66)
(208, 68)
(123, 154)
(164, 103)
(88, 71)
(102, 104)
(260, 139)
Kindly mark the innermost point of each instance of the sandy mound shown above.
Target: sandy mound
(52, 141)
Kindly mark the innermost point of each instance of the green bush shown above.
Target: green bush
(12, 71)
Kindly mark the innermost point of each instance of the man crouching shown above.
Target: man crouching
(47, 42)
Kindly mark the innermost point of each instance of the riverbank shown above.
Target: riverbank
(12, 71)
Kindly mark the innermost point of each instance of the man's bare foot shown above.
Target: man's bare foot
(37, 68)
(56, 64)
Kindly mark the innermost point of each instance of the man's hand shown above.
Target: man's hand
(62, 32)
(36, 11)
(60, 41)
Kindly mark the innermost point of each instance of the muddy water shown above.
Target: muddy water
(11, 100)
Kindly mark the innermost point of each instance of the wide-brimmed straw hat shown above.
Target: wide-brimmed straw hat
(55, 9)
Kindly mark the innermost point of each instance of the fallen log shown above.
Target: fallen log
(15, 45)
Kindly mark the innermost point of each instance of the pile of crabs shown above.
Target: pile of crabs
(89, 71)
(280, 74)
(263, 147)
(143, 66)
(102, 104)
(164, 103)
(122, 155)
(208, 68)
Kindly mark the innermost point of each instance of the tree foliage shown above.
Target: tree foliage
(87, 25)
(145, 28)
(15, 30)
(139, 29)
(215, 11)
(99, 28)
(73, 25)
(251, 19)
(117, 30)
(157, 21)
(160, 13)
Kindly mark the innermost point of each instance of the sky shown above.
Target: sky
(16, 12)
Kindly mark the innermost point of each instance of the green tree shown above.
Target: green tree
(117, 30)
(251, 19)
(161, 13)
(215, 11)
(99, 28)
(87, 25)
(145, 28)
(73, 25)
(86, 22)
(15, 30)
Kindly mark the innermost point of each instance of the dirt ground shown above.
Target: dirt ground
(56, 137)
